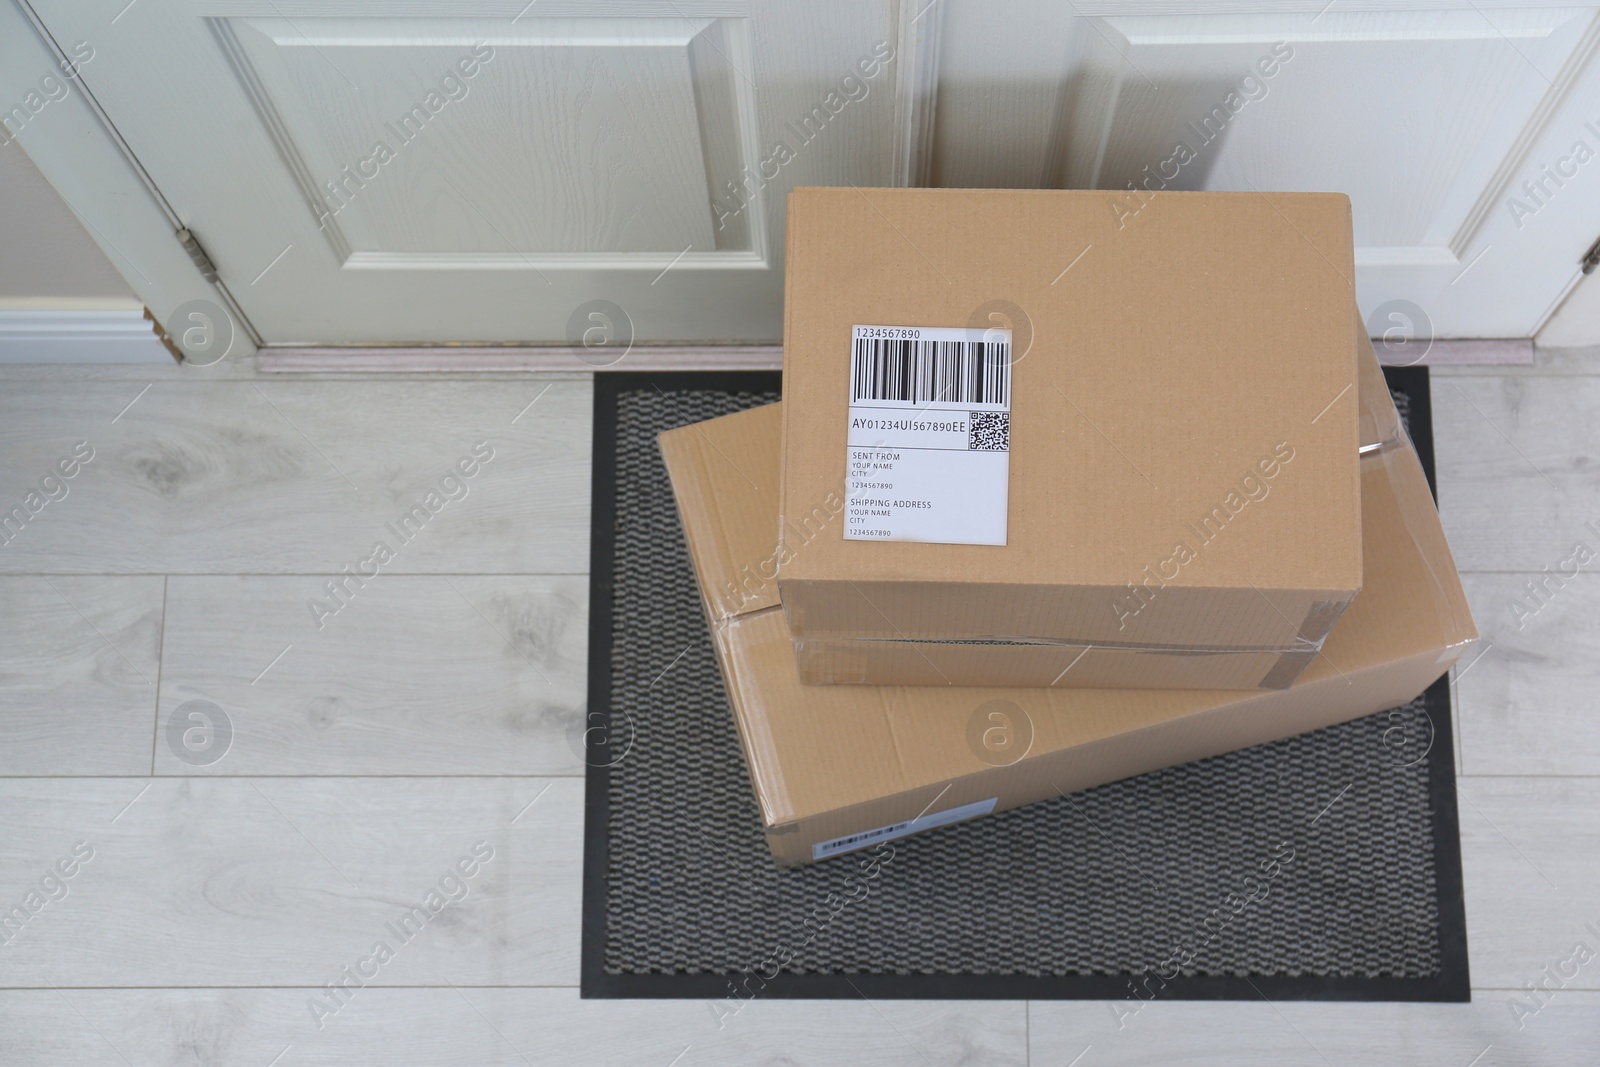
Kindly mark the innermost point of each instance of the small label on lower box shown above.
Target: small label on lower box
(851, 842)
(929, 446)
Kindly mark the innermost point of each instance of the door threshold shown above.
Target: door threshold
(504, 359)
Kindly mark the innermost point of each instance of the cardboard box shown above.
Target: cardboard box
(1181, 477)
(839, 767)
(876, 661)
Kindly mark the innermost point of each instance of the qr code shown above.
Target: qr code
(989, 431)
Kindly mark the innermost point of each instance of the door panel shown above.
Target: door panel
(471, 173)
(575, 136)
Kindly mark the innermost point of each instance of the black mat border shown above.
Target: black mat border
(1452, 984)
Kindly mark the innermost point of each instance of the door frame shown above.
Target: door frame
(80, 154)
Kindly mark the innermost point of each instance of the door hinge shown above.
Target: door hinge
(191, 245)
(165, 338)
(1591, 258)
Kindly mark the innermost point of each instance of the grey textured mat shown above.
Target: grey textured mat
(1326, 865)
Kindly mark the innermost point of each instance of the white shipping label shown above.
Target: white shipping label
(851, 842)
(929, 450)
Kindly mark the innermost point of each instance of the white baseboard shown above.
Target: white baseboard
(78, 335)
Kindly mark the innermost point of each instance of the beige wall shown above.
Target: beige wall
(46, 256)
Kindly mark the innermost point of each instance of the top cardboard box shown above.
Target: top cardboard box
(1173, 465)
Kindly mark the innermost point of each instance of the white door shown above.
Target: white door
(1466, 138)
(542, 171)
(483, 171)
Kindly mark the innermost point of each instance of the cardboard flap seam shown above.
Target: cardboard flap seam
(1300, 644)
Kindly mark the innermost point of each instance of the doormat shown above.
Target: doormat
(1091, 895)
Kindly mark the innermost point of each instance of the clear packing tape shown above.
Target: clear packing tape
(1378, 420)
(1386, 444)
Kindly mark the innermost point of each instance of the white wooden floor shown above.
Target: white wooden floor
(435, 713)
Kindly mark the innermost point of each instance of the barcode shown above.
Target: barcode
(823, 849)
(920, 372)
(838, 844)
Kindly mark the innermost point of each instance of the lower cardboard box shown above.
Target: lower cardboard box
(841, 767)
